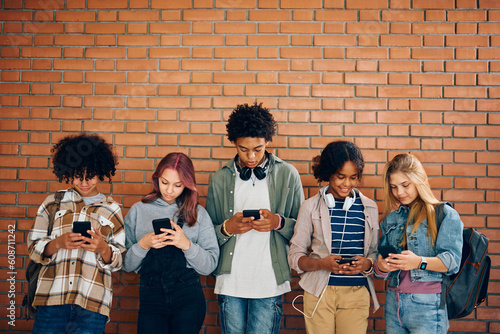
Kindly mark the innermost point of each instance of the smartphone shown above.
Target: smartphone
(385, 250)
(348, 260)
(161, 223)
(251, 213)
(82, 228)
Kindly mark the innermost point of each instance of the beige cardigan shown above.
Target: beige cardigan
(312, 230)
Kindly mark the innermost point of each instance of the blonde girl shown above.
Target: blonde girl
(424, 249)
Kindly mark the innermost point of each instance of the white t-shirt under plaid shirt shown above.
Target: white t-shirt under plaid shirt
(77, 276)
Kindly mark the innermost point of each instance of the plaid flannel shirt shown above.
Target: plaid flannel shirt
(76, 276)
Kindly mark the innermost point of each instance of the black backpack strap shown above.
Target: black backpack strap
(53, 209)
(486, 277)
(33, 268)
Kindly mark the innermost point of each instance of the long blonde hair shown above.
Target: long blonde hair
(423, 206)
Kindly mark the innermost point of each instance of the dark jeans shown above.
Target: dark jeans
(170, 294)
(172, 307)
(71, 319)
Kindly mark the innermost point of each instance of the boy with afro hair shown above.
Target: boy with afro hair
(74, 290)
(253, 272)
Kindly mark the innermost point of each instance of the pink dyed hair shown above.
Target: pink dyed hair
(188, 200)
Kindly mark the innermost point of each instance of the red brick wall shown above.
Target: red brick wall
(161, 76)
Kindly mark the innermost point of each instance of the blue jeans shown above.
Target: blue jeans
(419, 313)
(59, 319)
(250, 316)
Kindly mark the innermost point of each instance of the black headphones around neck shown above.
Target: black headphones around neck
(246, 172)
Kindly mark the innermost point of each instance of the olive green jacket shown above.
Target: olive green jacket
(286, 196)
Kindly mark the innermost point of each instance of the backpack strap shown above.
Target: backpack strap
(53, 209)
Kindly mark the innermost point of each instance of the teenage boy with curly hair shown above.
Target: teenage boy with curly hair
(74, 290)
(253, 272)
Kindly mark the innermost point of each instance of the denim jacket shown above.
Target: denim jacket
(448, 245)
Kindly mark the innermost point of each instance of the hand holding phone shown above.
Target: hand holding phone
(251, 213)
(161, 223)
(386, 250)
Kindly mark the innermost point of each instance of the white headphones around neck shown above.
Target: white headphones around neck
(330, 200)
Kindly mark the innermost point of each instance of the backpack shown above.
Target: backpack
(466, 289)
(33, 268)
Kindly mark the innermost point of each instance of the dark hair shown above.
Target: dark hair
(250, 121)
(334, 156)
(188, 200)
(83, 156)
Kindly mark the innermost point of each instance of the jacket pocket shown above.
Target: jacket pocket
(105, 226)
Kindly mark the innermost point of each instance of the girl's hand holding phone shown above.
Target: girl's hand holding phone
(152, 240)
(177, 238)
(407, 260)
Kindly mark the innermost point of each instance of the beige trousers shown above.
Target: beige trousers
(342, 310)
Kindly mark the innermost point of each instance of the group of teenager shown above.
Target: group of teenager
(331, 239)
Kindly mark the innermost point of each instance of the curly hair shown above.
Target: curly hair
(83, 156)
(334, 156)
(250, 121)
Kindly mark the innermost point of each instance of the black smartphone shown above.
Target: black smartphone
(161, 223)
(251, 213)
(82, 228)
(348, 260)
(385, 250)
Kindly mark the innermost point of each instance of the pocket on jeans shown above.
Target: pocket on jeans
(426, 298)
(278, 307)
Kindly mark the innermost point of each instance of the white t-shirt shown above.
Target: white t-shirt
(252, 274)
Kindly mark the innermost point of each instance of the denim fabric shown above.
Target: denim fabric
(448, 246)
(170, 294)
(71, 319)
(418, 313)
(250, 316)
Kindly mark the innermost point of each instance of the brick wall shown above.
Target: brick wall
(161, 76)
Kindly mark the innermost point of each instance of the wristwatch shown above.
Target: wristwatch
(423, 264)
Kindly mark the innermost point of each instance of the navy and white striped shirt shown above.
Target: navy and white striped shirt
(348, 232)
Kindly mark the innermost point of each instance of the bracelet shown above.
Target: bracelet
(369, 271)
(279, 222)
(224, 231)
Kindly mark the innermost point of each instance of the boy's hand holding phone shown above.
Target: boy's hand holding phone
(268, 221)
(237, 224)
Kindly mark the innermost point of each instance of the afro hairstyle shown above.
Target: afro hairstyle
(250, 121)
(83, 156)
(334, 156)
